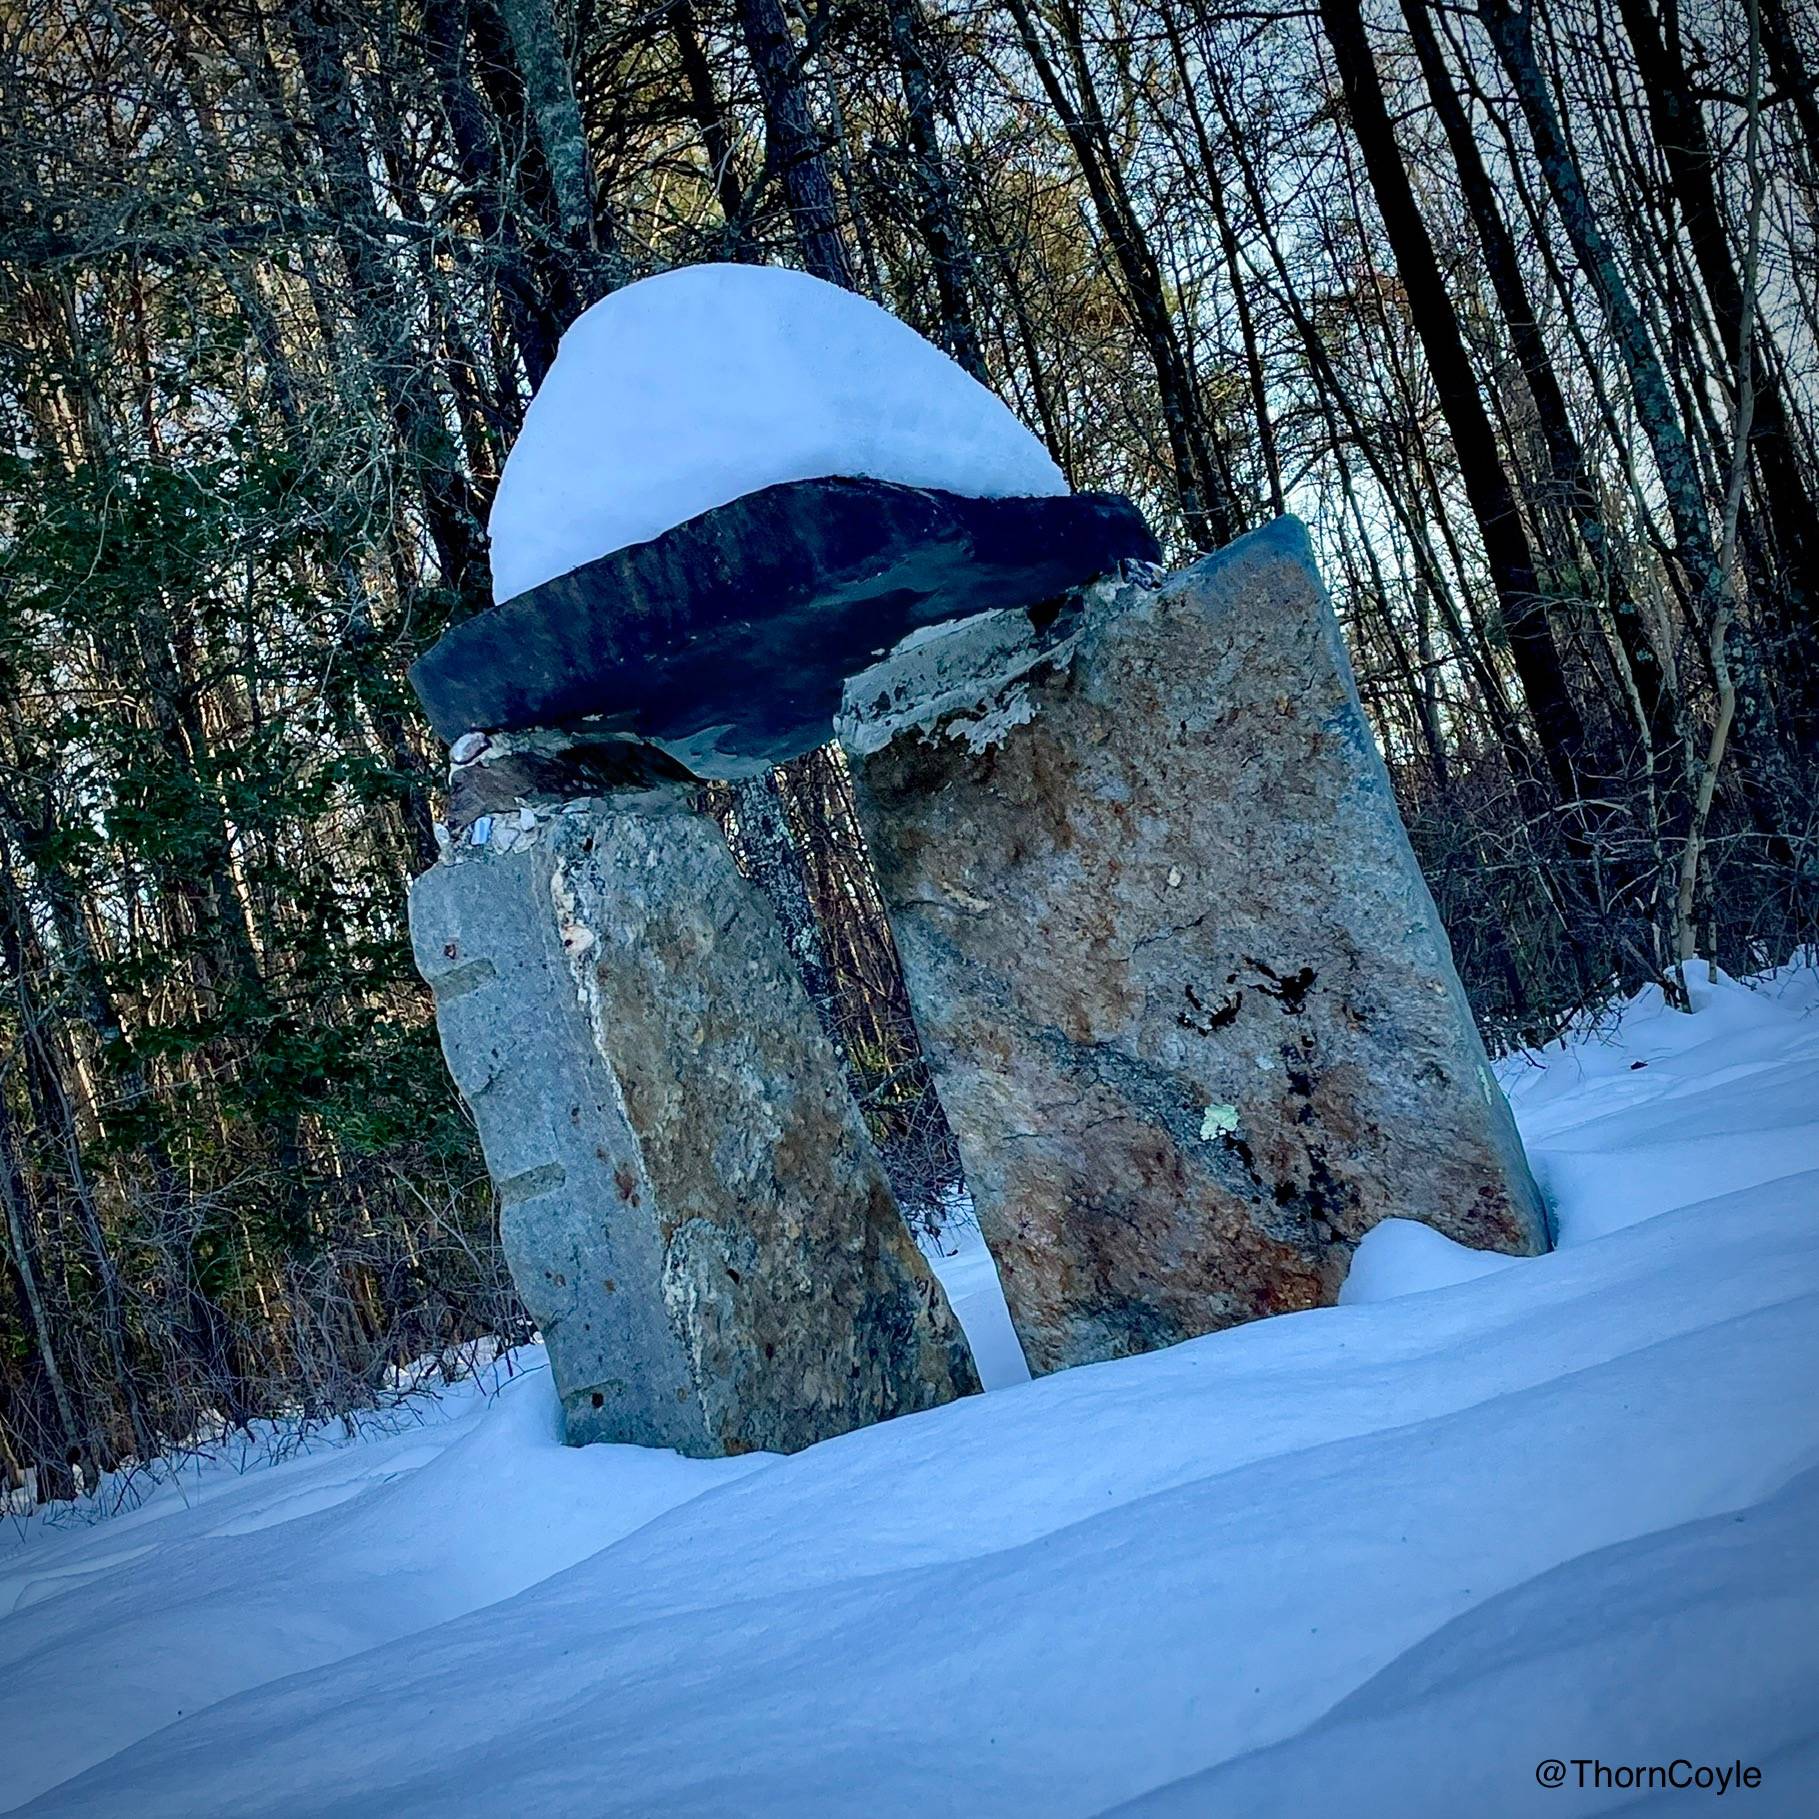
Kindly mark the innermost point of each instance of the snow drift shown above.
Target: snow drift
(1379, 1558)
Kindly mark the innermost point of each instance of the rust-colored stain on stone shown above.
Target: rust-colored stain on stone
(1201, 903)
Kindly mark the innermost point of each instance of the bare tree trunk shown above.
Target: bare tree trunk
(1513, 36)
(44, 1335)
(1213, 175)
(1795, 83)
(379, 305)
(940, 222)
(1571, 484)
(795, 148)
(1693, 851)
(709, 116)
(445, 31)
(1789, 508)
(1506, 546)
(556, 115)
(1209, 515)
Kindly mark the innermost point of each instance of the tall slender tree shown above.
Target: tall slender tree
(1500, 527)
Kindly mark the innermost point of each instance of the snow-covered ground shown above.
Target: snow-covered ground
(1384, 1558)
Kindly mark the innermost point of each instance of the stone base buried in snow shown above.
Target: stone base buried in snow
(690, 1206)
(1191, 1010)
(1373, 1560)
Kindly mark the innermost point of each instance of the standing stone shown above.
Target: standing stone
(690, 1206)
(1191, 1009)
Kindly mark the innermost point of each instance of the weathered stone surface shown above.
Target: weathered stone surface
(1192, 1012)
(691, 1208)
(727, 640)
(493, 775)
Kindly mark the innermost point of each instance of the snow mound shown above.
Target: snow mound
(692, 388)
(1404, 1257)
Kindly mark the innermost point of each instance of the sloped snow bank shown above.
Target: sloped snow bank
(1380, 1558)
(224, 1578)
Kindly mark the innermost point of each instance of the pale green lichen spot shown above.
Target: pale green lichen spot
(1220, 1121)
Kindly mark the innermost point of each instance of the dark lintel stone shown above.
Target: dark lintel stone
(727, 640)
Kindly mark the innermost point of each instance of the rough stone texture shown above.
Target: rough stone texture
(691, 1208)
(494, 775)
(727, 640)
(1193, 1016)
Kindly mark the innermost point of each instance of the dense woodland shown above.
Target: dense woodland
(1515, 304)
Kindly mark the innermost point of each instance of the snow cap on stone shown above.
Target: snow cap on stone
(687, 390)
